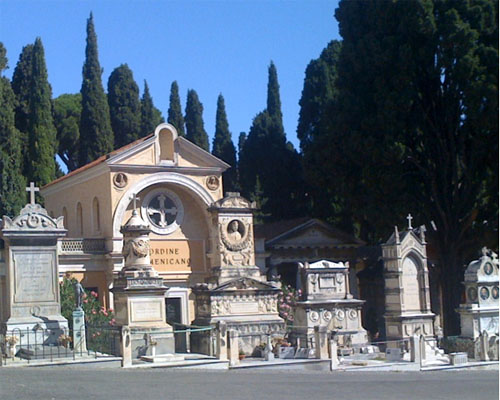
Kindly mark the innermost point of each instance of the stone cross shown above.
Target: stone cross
(135, 199)
(409, 218)
(32, 189)
(162, 211)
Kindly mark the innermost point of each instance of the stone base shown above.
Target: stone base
(36, 331)
(474, 321)
(399, 327)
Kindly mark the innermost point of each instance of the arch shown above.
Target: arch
(79, 219)
(96, 218)
(65, 216)
(163, 177)
(412, 283)
(166, 136)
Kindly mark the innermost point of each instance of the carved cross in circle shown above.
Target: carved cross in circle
(32, 189)
(162, 210)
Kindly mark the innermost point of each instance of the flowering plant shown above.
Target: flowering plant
(64, 340)
(287, 301)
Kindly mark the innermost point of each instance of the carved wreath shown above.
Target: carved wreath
(140, 248)
(240, 245)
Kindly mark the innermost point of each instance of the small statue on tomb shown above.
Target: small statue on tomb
(79, 293)
(233, 231)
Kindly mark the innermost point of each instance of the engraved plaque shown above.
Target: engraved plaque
(146, 311)
(245, 308)
(34, 277)
(326, 282)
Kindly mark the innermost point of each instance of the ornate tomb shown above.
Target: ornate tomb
(140, 293)
(480, 311)
(407, 295)
(30, 305)
(236, 292)
(327, 302)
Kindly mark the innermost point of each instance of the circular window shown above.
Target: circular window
(163, 209)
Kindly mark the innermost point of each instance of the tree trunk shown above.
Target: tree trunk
(451, 283)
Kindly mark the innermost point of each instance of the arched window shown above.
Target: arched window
(65, 216)
(166, 141)
(96, 219)
(79, 220)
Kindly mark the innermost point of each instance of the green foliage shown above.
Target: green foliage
(411, 125)
(95, 313)
(12, 182)
(223, 147)
(151, 117)
(175, 116)
(96, 135)
(41, 167)
(287, 301)
(67, 109)
(195, 132)
(124, 106)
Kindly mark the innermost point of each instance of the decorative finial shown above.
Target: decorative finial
(396, 234)
(409, 218)
(134, 199)
(32, 189)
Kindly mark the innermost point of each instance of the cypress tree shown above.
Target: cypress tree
(41, 130)
(274, 101)
(96, 135)
(124, 106)
(175, 117)
(150, 116)
(195, 132)
(12, 182)
(223, 146)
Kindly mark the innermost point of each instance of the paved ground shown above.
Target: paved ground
(77, 383)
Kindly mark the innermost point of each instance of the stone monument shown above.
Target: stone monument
(140, 294)
(79, 336)
(29, 278)
(480, 311)
(326, 302)
(236, 292)
(407, 295)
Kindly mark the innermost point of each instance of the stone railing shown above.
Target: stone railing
(69, 246)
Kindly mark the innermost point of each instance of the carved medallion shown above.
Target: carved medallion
(314, 316)
(212, 182)
(120, 180)
(353, 314)
(327, 315)
(472, 293)
(340, 315)
(235, 235)
(484, 293)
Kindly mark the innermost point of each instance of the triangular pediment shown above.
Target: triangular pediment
(313, 233)
(164, 150)
(244, 284)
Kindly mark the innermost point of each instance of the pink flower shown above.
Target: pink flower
(93, 312)
(93, 293)
(85, 301)
(110, 310)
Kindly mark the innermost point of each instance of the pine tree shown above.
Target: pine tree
(223, 146)
(195, 132)
(12, 182)
(124, 106)
(67, 112)
(96, 135)
(175, 116)
(41, 130)
(150, 116)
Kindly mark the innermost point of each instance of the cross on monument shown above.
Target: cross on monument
(162, 211)
(135, 199)
(32, 189)
(409, 218)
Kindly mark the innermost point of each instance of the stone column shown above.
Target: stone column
(233, 348)
(126, 343)
(79, 338)
(321, 342)
(415, 349)
(334, 360)
(268, 351)
(422, 350)
(221, 340)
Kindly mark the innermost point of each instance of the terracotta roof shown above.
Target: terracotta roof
(98, 161)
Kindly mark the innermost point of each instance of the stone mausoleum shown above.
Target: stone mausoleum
(199, 238)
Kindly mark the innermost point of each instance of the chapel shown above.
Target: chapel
(172, 183)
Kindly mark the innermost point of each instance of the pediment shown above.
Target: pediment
(244, 284)
(313, 233)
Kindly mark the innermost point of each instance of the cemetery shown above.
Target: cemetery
(173, 268)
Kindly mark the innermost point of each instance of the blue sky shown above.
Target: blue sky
(210, 46)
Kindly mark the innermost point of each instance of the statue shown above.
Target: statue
(79, 292)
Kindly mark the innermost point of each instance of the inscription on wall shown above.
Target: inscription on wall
(34, 277)
(146, 311)
(177, 255)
